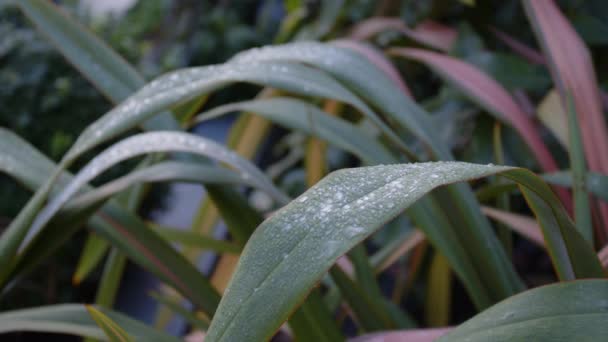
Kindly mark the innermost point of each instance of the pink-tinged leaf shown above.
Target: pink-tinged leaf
(530, 54)
(523, 225)
(493, 97)
(572, 70)
(378, 59)
(418, 335)
(430, 33)
(488, 93)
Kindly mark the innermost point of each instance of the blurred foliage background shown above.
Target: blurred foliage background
(47, 102)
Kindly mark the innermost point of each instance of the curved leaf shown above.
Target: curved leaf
(146, 143)
(371, 84)
(291, 250)
(114, 331)
(561, 312)
(112, 222)
(162, 172)
(488, 93)
(183, 85)
(75, 320)
(307, 118)
(571, 66)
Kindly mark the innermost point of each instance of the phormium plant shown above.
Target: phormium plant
(307, 260)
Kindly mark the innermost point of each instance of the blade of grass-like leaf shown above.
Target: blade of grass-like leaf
(578, 165)
(430, 33)
(357, 72)
(162, 172)
(109, 327)
(525, 226)
(93, 251)
(439, 292)
(182, 85)
(596, 183)
(146, 143)
(548, 313)
(354, 203)
(110, 278)
(573, 73)
(74, 319)
(307, 118)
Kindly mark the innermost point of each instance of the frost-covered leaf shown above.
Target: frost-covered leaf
(290, 251)
(148, 143)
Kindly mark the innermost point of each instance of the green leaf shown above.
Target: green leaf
(74, 319)
(370, 83)
(561, 312)
(93, 251)
(112, 330)
(304, 117)
(132, 236)
(162, 172)
(183, 85)
(309, 119)
(578, 165)
(290, 251)
(596, 182)
(146, 143)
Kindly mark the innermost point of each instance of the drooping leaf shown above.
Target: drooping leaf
(372, 85)
(23, 162)
(74, 319)
(113, 331)
(571, 66)
(560, 312)
(488, 93)
(596, 183)
(146, 143)
(162, 172)
(291, 250)
(307, 118)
